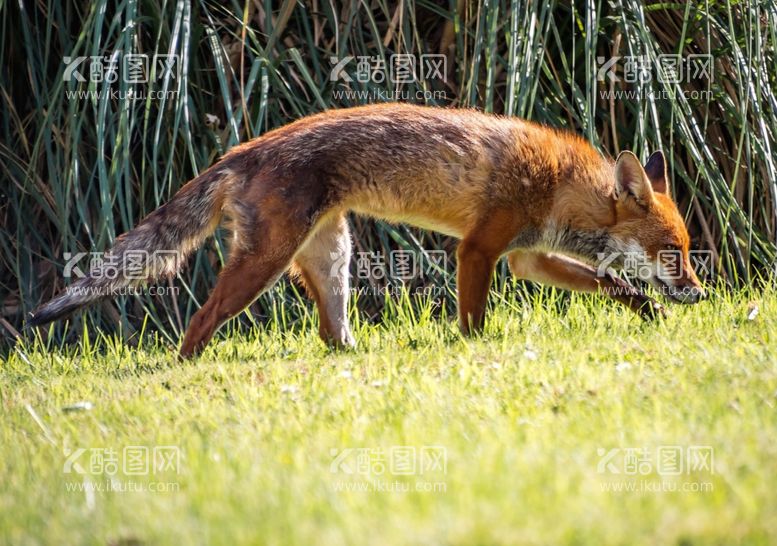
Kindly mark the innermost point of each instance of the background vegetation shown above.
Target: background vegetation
(75, 173)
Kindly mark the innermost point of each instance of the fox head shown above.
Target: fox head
(649, 225)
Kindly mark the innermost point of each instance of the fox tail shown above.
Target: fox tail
(159, 244)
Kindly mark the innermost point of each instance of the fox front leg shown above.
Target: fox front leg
(568, 273)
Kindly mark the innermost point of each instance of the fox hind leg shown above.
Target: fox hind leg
(239, 284)
(322, 264)
(249, 272)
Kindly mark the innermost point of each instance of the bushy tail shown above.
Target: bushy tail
(154, 249)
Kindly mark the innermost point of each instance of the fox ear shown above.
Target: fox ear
(655, 169)
(630, 179)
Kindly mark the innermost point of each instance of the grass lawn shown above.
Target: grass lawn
(560, 425)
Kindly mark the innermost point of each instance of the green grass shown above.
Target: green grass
(521, 413)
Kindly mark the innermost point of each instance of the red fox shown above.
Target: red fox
(543, 197)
